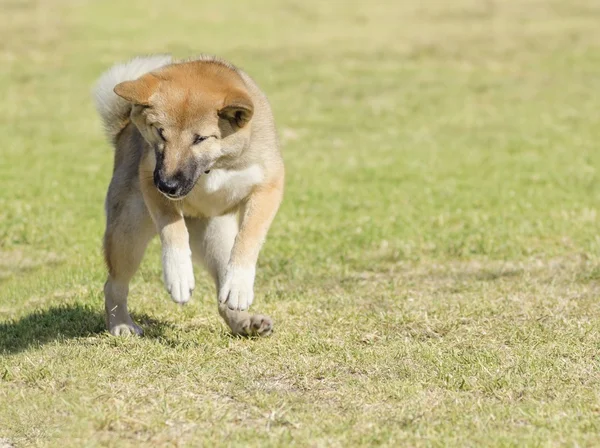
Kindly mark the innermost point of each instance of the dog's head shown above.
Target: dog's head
(193, 114)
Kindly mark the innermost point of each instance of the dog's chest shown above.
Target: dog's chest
(221, 189)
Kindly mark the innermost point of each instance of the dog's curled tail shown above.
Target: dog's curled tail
(113, 109)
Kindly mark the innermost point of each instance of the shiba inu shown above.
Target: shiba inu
(196, 162)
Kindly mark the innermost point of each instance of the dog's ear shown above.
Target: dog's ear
(237, 108)
(139, 90)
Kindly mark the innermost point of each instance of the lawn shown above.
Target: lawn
(433, 273)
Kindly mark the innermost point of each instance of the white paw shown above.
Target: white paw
(178, 273)
(237, 290)
(129, 329)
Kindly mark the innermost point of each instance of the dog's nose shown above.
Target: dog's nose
(169, 186)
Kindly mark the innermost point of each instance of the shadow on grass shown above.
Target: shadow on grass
(62, 322)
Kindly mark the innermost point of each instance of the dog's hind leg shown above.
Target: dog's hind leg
(129, 229)
(211, 241)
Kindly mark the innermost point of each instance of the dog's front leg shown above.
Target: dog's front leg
(258, 211)
(178, 272)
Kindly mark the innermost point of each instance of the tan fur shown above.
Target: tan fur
(258, 213)
(187, 118)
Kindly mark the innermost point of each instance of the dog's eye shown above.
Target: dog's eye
(161, 133)
(198, 139)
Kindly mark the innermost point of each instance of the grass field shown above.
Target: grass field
(434, 271)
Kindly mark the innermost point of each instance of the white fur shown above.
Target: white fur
(112, 108)
(226, 180)
(221, 189)
(178, 273)
(238, 288)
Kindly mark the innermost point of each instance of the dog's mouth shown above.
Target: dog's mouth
(174, 197)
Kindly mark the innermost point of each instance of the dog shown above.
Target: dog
(197, 162)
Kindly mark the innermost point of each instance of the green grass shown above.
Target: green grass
(434, 271)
